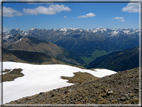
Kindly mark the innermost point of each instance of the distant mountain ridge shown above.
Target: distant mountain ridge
(85, 43)
(31, 44)
(105, 31)
(56, 35)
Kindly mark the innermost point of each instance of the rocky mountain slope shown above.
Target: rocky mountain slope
(118, 61)
(119, 88)
(31, 44)
(28, 57)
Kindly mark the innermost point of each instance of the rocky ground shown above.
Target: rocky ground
(10, 76)
(80, 77)
(119, 88)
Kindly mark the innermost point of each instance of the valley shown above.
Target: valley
(94, 55)
(118, 61)
(78, 46)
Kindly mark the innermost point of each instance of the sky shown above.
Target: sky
(70, 15)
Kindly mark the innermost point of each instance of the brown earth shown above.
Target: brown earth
(80, 77)
(10, 76)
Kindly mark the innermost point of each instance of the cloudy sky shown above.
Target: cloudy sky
(70, 15)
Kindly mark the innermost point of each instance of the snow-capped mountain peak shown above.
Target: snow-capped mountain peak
(64, 29)
(69, 31)
(126, 31)
(101, 29)
(114, 33)
(32, 28)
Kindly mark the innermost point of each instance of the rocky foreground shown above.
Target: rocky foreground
(119, 88)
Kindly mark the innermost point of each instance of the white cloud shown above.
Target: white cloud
(10, 12)
(52, 9)
(131, 7)
(65, 16)
(87, 15)
(119, 18)
(122, 20)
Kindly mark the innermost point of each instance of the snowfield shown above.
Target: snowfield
(41, 78)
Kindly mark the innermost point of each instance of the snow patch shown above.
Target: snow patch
(102, 29)
(126, 31)
(18, 41)
(73, 28)
(99, 29)
(32, 28)
(6, 37)
(41, 78)
(25, 34)
(65, 29)
(95, 30)
(114, 33)
(80, 30)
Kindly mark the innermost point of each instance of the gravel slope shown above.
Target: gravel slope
(119, 88)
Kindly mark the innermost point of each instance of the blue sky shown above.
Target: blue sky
(70, 15)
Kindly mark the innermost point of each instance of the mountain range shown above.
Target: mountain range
(84, 43)
(83, 47)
